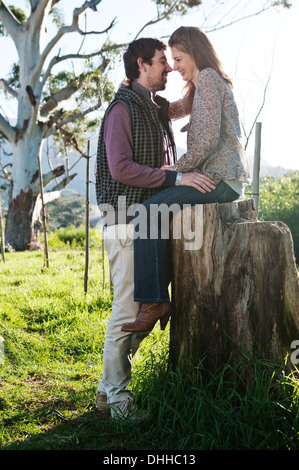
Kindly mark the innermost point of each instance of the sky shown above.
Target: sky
(253, 51)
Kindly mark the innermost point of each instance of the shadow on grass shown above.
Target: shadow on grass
(92, 430)
(251, 406)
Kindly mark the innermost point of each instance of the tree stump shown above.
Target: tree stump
(238, 292)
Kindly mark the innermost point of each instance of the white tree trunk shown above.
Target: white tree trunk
(33, 121)
(23, 220)
(23, 224)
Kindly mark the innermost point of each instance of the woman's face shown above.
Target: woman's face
(184, 64)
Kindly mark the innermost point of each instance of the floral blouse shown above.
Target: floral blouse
(213, 141)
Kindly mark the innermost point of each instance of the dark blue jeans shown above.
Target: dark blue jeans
(152, 260)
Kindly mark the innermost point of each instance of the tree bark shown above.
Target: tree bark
(20, 232)
(23, 219)
(238, 293)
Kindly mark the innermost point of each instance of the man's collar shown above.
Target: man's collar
(147, 94)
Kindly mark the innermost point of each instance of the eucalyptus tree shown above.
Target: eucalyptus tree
(39, 110)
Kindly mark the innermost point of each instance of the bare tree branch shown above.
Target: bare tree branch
(35, 4)
(258, 113)
(61, 95)
(49, 177)
(6, 87)
(50, 196)
(217, 28)
(10, 22)
(64, 30)
(5, 175)
(158, 18)
(247, 136)
(7, 129)
(69, 139)
(53, 119)
(76, 116)
(39, 10)
(85, 33)
(56, 60)
(64, 182)
(53, 174)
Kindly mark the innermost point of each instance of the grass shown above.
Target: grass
(54, 337)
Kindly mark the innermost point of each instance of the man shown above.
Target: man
(135, 141)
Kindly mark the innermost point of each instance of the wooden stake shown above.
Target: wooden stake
(256, 166)
(2, 234)
(46, 248)
(87, 220)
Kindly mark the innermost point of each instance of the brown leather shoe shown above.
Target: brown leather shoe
(149, 314)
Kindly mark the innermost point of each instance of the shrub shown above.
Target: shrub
(279, 201)
(73, 237)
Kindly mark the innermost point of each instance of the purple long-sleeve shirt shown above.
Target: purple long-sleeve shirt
(119, 149)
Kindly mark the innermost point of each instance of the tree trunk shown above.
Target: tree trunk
(23, 220)
(239, 292)
(22, 227)
(24, 212)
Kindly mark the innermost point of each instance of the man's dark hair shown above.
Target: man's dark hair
(144, 48)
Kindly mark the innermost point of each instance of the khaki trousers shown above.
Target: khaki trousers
(120, 346)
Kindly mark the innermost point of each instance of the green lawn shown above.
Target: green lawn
(54, 336)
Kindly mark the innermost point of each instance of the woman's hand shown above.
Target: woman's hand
(198, 181)
(126, 82)
(195, 179)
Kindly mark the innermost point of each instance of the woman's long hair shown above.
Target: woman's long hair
(195, 42)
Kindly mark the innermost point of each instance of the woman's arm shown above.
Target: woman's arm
(181, 108)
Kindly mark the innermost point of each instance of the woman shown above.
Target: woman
(213, 150)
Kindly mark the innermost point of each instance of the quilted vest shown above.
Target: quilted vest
(148, 148)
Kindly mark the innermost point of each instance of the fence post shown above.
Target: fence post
(256, 166)
(87, 219)
(2, 233)
(41, 185)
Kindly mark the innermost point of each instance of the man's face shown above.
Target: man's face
(156, 74)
